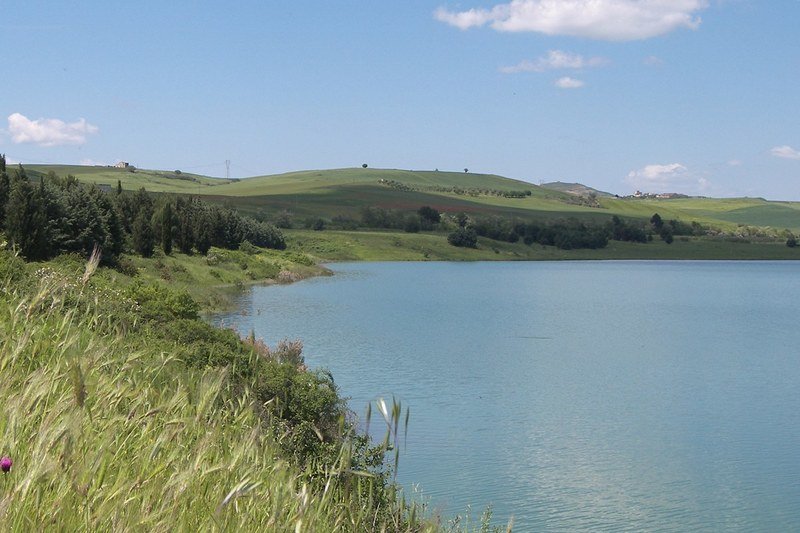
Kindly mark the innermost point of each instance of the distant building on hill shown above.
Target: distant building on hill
(122, 164)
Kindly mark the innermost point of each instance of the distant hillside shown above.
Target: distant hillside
(578, 189)
(345, 192)
(132, 178)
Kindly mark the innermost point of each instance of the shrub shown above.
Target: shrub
(248, 248)
(463, 237)
(161, 304)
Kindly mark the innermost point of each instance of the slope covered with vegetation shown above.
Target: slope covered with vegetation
(124, 411)
(343, 193)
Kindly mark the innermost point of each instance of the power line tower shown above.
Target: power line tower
(227, 169)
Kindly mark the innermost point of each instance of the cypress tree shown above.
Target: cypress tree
(166, 228)
(26, 219)
(143, 238)
(5, 190)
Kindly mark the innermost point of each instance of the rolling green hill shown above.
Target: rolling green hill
(344, 192)
(152, 180)
(574, 188)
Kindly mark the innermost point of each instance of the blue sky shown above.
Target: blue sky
(694, 96)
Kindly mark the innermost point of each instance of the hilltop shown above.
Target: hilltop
(345, 192)
(578, 189)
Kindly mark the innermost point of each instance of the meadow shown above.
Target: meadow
(344, 192)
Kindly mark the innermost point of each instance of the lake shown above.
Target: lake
(626, 395)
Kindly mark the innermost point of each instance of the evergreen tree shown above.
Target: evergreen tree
(26, 219)
(5, 189)
(142, 234)
(2, 162)
(119, 187)
(184, 235)
(166, 228)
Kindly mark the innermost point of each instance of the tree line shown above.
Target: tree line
(61, 215)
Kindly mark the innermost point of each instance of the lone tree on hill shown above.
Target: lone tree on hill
(466, 170)
(364, 165)
(657, 222)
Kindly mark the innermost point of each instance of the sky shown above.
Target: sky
(692, 96)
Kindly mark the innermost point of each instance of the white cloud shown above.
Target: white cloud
(734, 163)
(786, 152)
(673, 177)
(555, 60)
(48, 131)
(608, 20)
(91, 163)
(569, 83)
(653, 61)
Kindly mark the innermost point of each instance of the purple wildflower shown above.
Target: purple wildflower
(5, 463)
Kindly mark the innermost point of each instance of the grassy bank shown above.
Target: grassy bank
(213, 280)
(124, 411)
(388, 246)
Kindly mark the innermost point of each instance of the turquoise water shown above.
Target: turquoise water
(571, 395)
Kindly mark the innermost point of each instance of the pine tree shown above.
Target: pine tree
(166, 228)
(143, 238)
(5, 190)
(27, 225)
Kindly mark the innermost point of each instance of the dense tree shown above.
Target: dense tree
(27, 225)
(5, 189)
(166, 228)
(656, 222)
(430, 214)
(412, 224)
(621, 230)
(142, 234)
(463, 237)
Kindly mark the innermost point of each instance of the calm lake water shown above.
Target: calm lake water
(571, 395)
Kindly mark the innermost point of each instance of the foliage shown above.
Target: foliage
(463, 237)
(114, 431)
(61, 215)
(161, 304)
(430, 214)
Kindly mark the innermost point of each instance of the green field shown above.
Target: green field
(329, 246)
(344, 192)
(152, 180)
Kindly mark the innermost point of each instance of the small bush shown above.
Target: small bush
(248, 248)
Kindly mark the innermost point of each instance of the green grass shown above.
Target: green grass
(213, 280)
(152, 180)
(110, 430)
(328, 193)
(388, 246)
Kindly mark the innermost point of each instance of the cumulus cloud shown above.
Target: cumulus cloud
(48, 131)
(555, 60)
(569, 83)
(786, 152)
(673, 177)
(91, 163)
(608, 20)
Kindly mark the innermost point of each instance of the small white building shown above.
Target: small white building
(122, 164)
